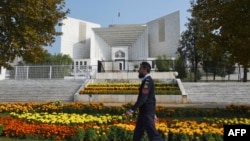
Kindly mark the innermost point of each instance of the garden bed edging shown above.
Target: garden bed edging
(131, 98)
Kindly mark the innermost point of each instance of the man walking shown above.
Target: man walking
(146, 103)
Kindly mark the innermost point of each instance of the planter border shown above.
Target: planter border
(130, 98)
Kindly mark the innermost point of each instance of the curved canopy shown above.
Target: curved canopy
(121, 35)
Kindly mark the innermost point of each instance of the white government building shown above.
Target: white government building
(118, 46)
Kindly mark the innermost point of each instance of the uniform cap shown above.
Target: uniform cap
(146, 64)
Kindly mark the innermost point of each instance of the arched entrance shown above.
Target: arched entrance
(120, 60)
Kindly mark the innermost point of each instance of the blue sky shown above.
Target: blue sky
(105, 12)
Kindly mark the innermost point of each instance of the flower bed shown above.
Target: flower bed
(78, 121)
(110, 91)
(128, 88)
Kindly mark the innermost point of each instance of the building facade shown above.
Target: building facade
(118, 46)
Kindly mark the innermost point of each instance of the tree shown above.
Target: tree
(58, 59)
(26, 26)
(47, 59)
(188, 48)
(162, 63)
(180, 67)
(227, 26)
(221, 67)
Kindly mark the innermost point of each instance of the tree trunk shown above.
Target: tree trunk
(195, 72)
(245, 74)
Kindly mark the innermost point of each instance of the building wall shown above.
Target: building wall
(101, 50)
(139, 51)
(160, 37)
(164, 34)
(76, 37)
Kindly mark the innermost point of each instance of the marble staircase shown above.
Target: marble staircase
(220, 92)
(38, 90)
(64, 90)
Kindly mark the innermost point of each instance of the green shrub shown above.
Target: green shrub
(1, 129)
(90, 134)
(80, 133)
(119, 134)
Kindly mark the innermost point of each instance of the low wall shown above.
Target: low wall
(134, 75)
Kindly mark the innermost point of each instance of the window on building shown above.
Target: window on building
(85, 63)
(119, 54)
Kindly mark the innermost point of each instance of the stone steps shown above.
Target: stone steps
(38, 90)
(64, 90)
(232, 93)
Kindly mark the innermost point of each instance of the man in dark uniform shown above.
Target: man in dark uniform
(146, 103)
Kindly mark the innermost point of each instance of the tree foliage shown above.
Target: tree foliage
(162, 63)
(26, 26)
(180, 67)
(227, 25)
(188, 48)
(47, 59)
(57, 59)
(217, 36)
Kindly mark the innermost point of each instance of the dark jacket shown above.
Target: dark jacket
(146, 97)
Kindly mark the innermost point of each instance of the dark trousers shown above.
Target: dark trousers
(145, 122)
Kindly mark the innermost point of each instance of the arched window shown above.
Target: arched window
(119, 54)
